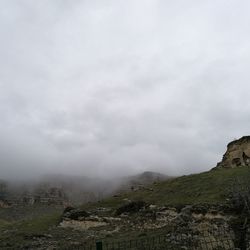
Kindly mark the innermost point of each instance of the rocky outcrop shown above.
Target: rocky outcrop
(200, 226)
(237, 154)
(48, 196)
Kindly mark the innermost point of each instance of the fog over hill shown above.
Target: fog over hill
(114, 88)
(74, 189)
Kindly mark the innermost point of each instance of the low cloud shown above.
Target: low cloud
(116, 88)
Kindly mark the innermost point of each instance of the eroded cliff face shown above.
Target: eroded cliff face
(237, 154)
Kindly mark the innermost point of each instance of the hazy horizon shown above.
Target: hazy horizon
(115, 88)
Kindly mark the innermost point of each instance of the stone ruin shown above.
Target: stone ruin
(237, 154)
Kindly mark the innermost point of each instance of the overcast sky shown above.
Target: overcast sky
(115, 87)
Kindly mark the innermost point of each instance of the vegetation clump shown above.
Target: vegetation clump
(131, 207)
(74, 213)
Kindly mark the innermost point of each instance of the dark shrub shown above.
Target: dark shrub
(74, 214)
(68, 209)
(131, 207)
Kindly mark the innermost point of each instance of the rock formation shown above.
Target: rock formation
(237, 154)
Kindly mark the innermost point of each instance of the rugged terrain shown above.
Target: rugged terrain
(190, 203)
(209, 210)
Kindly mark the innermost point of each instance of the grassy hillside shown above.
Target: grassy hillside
(207, 187)
(23, 223)
(33, 227)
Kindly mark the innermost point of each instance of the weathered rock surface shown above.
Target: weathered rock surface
(203, 226)
(237, 154)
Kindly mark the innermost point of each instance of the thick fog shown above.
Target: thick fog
(108, 88)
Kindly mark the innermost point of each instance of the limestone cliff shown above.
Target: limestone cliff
(237, 154)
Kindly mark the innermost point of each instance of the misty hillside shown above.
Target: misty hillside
(199, 199)
(74, 189)
(186, 210)
(148, 177)
(139, 181)
(208, 187)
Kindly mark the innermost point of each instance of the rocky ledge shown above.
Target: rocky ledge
(237, 154)
(197, 222)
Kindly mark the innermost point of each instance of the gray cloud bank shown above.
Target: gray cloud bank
(105, 88)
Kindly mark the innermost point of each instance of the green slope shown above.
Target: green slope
(18, 225)
(207, 187)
